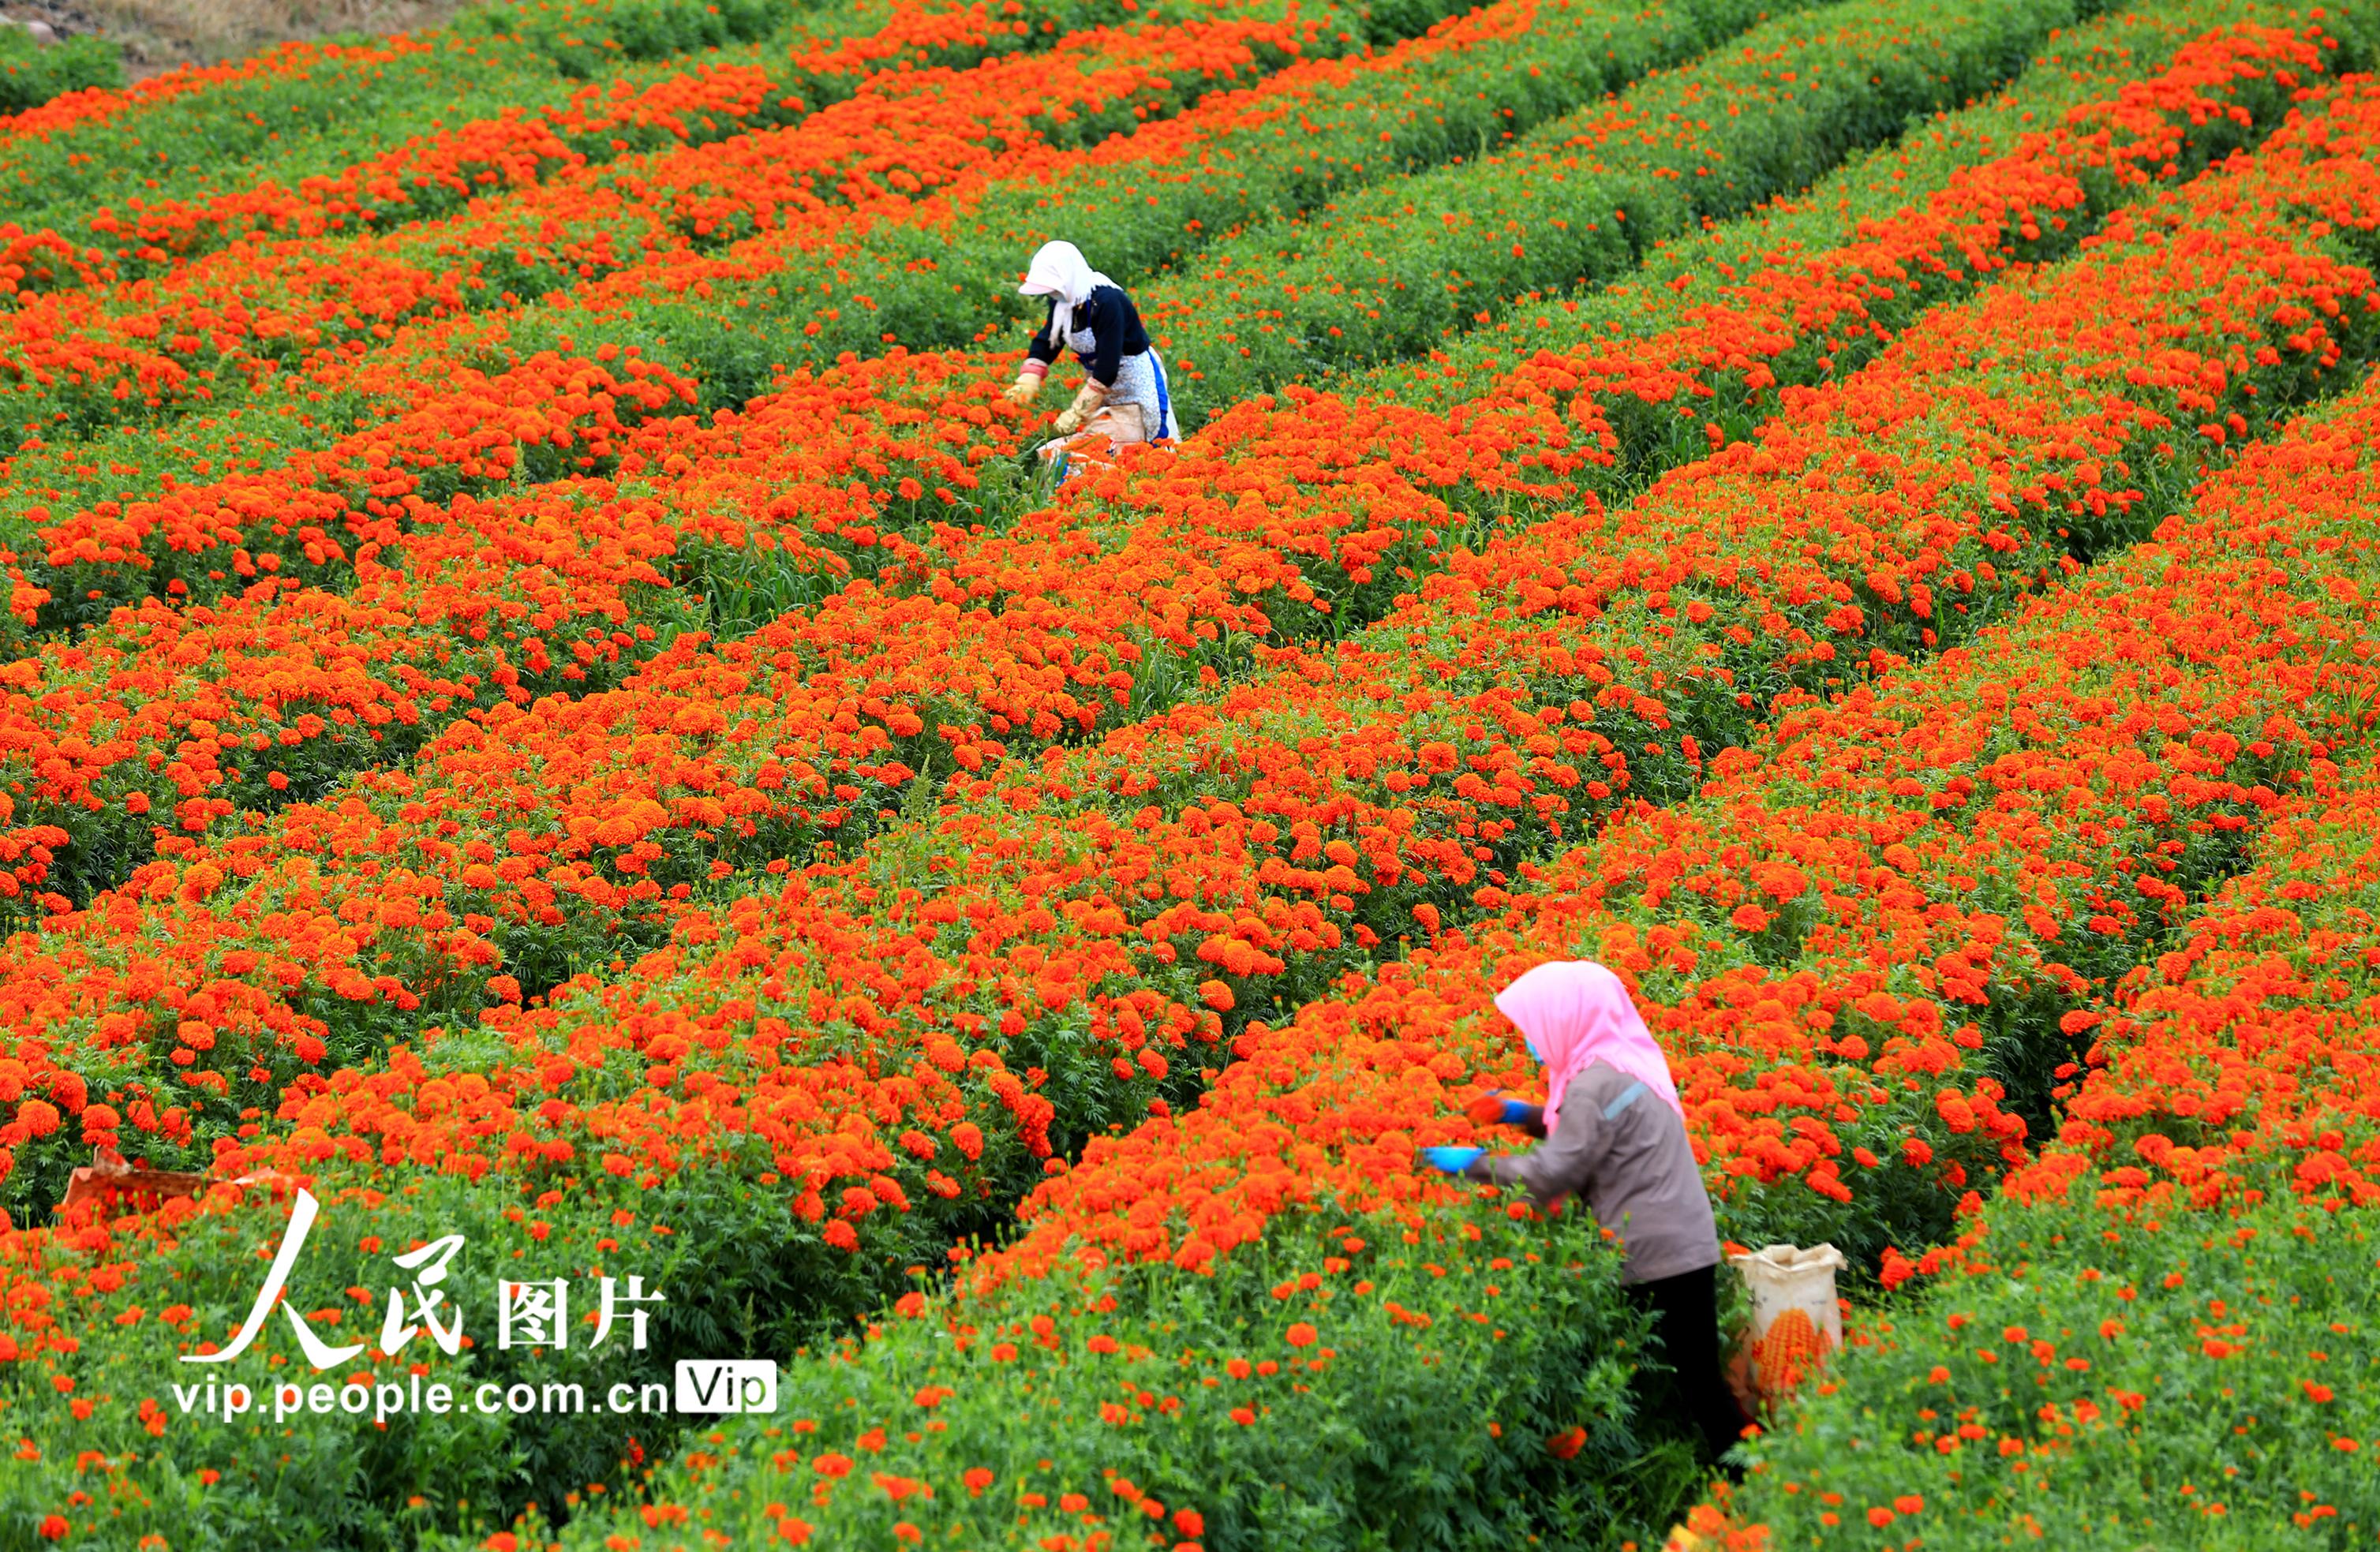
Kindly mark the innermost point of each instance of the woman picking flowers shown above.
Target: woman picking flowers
(1615, 1133)
(1124, 397)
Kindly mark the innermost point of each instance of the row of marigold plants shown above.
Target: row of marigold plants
(1574, 668)
(574, 548)
(627, 187)
(294, 124)
(869, 161)
(2180, 1276)
(1862, 944)
(670, 1051)
(312, 618)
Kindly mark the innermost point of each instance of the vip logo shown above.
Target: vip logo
(720, 1385)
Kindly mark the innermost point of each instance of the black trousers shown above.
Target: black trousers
(1694, 1394)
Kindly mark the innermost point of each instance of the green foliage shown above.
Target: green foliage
(2080, 65)
(1398, 269)
(31, 75)
(736, 1281)
(1384, 1382)
(583, 40)
(2105, 1378)
(938, 285)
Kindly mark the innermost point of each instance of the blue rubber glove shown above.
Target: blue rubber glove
(1449, 1158)
(1492, 1109)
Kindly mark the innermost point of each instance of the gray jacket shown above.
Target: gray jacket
(1619, 1144)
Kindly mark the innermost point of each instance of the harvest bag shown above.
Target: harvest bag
(1795, 1319)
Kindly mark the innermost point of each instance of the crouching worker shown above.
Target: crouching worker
(1124, 396)
(1615, 1133)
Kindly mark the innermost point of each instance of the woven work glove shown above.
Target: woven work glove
(1087, 404)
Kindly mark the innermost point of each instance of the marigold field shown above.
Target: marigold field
(548, 701)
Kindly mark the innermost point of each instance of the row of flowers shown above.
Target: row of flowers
(2161, 1377)
(90, 750)
(295, 312)
(289, 115)
(1587, 397)
(75, 117)
(781, 699)
(2197, 81)
(662, 1081)
(913, 100)
(296, 108)
(1356, 564)
(526, 141)
(1854, 943)
(154, 236)
(1157, 1396)
(2250, 1041)
(2179, 1278)
(92, 716)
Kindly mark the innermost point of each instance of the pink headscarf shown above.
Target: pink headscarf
(1574, 1012)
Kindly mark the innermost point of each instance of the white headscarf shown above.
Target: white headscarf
(1061, 272)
